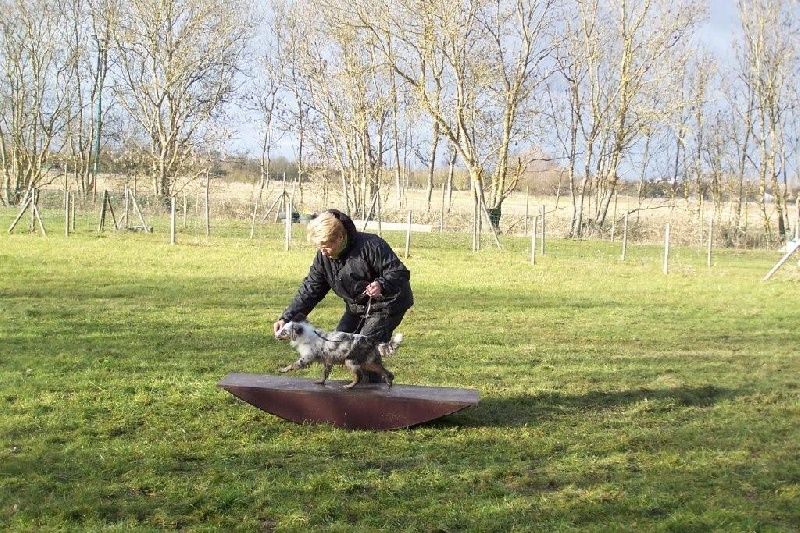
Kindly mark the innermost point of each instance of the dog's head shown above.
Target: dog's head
(292, 329)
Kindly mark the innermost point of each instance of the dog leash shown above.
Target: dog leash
(358, 326)
(366, 314)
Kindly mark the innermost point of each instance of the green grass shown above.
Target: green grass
(613, 397)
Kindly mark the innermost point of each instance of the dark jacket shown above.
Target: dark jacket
(365, 258)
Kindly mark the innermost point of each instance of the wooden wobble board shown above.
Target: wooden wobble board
(373, 406)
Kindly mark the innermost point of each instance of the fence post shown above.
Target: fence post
(797, 217)
(441, 210)
(208, 204)
(408, 235)
(172, 220)
(287, 231)
(543, 225)
(625, 238)
(527, 205)
(710, 240)
(666, 250)
(72, 210)
(475, 227)
(66, 213)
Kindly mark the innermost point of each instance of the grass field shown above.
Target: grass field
(613, 397)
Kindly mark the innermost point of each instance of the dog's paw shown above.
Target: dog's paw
(285, 369)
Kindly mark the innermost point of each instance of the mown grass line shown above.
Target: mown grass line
(613, 397)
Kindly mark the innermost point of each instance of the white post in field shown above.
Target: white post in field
(666, 250)
(288, 223)
(172, 220)
(408, 235)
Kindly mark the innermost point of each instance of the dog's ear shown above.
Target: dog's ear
(295, 331)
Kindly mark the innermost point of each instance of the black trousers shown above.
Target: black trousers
(378, 326)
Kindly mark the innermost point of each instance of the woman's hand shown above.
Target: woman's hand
(374, 289)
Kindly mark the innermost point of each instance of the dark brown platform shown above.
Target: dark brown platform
(365, 406)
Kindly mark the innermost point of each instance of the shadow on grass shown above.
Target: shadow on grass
(526, 409)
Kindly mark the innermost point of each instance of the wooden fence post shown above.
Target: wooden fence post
(73, 199)
(172, 220)
(543, 225)
(287, 231)
(710, 240)
(625, 238)
(441, 210)
(527, 206)
(208, 204)
(476, 236)
(107, 207)
(66, 213)
(408, 235)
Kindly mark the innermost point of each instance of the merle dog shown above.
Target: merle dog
(356, 352)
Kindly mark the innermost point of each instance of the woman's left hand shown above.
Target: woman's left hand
(374, 289)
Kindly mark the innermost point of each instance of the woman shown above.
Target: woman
(360, 268)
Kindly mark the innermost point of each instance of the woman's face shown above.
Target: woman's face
(330, 247)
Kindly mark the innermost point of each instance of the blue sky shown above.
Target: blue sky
(722, 25)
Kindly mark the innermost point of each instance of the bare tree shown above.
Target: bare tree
(396, 138)
(689, 125)
(348, 94)
(474, 69)
(34, 97)
(287, 25)
(177, 67)
(575, 54)
(88, 28)
(263, 98)
(719, 155)
(619, 63)
(768, 63)
(736, 124)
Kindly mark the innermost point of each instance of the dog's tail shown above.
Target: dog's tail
(388, 349)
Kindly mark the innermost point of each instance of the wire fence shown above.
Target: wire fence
(246, 210)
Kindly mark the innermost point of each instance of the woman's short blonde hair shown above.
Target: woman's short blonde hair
(325, 228)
